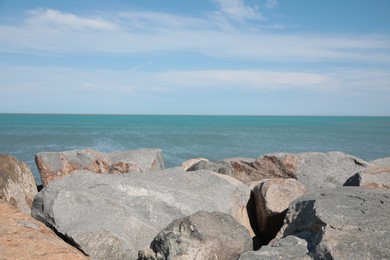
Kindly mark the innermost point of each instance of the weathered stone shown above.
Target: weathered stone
(114, 216)
(315, 170)
(247, 171)
(327, 170)
(381, 163)
(203, 235)
(187, 164)
(22, 237)
(272, 198)
(289, 248)
(55, 165)
(376, 178)
(17, 184)
(342, 223)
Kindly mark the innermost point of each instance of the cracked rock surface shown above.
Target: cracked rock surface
(342, 223)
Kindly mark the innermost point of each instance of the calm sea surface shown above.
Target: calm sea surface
(185, 137)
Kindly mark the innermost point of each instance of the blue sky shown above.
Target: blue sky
(268, 57)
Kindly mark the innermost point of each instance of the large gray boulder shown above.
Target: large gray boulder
(55, 165)
(287, 248)
(203, 235)
(249, 170)
(314, 169)
(374, 178)
(114, 216)
(271, 200)
(17, 184)
(342, 223)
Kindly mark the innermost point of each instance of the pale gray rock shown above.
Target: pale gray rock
(382, 162)
(17, 184)
(377, 178)
(342, 223)
(55, 165)
(289, 248)
(271, 200)
(265, 167)
(114, 216)
(314, 169)
(187, 164)
(203, 235)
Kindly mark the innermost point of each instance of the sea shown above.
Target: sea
(184, 137)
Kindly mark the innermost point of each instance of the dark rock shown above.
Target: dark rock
(55, 165)
(17, 184)
(342, 223)
(202, 235)
(114, 216)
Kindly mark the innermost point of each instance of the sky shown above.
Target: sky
(208, 57)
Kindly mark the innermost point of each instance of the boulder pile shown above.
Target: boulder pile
(125, 205)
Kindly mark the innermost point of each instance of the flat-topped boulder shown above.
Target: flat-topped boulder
(114, 216)
(341, 223)
(55, 165)
(17, 184)
(314, 169)
(23, 237)
(203, 235)
(374, 178)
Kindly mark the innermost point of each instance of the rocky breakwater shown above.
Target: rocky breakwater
(55, 165)
(293, 206)
(115, 216)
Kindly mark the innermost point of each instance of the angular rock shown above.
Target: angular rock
(247, 171)
(203, 235)
(381, 163)
(22, 237)
(289, 248)
(315, 170)
(17, 184)
(114, 216)
(342, 223)
(377, 178)
(55, 165)
(187, 164)
(272, 198)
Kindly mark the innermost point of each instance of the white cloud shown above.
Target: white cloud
(270, 4)
(54, 18)
(238, 10)
(51, 31)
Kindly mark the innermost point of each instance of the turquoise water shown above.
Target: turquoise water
(185, 137)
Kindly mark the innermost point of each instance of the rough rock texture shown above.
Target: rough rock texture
(289, 248)
(22, 237)
(342, 223)
(378, 178)
(114, 216)
(187, 164)
(314, 169)
(272, 198)
(382, 163)
(55, 165)
(203, 235)
(17, 184)
(247, 171)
